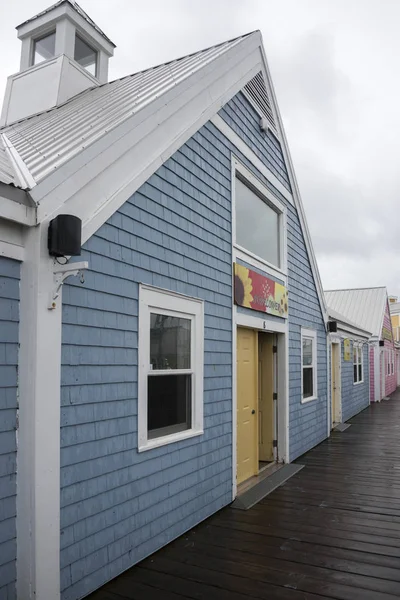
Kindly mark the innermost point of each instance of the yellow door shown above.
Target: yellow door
(335, 383)
(247, 442)
(266, 397)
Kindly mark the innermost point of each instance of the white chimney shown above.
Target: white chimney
(63, 53)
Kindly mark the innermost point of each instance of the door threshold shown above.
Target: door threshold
(265, 486)
(264, 473)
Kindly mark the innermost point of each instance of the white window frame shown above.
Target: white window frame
(92, 47)
(45, 33)
(388, 362)
(359, 354)
(169, 303)
(392, 371)
(252, 181)
(310, 334)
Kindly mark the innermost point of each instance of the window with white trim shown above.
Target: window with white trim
(388, 361)
(308, 364)
(171, 365)
(43, 48)
(358, 374)
(85, 55)
(259, 221)
(392, 362)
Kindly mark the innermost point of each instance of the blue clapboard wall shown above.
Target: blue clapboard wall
(355, 397)
(118, 506)
(307, 422)
(9, 319)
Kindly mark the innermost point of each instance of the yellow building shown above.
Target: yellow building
(394, 306)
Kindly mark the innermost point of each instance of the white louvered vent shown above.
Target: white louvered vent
(257, 93)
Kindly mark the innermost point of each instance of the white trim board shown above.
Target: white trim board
(233, 137)
(11, 210)
(261, 323)
(38, 473)
(12, 251)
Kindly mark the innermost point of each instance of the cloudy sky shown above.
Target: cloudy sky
(335, 68)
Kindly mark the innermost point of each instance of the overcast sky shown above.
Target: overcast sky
(335, 66)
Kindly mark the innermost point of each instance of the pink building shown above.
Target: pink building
(369, 308)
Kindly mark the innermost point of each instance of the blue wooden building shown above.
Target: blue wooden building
(350, 370)
(190, 352)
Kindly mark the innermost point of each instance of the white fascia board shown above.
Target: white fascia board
(343, 327)
(12, 239)
(19, 213)
(294, 185)
(94, 184)
(12, 251)
(244, 149)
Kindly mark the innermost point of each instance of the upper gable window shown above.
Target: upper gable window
(85, 56)
(44, 48)
(258, 224)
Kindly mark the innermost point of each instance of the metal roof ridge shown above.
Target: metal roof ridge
(376, 287)
(22, 172)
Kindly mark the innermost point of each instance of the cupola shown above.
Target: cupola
(63, 53)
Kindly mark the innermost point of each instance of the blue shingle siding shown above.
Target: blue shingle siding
(240, 115)
(354, 397)
(307, 422)
(117, 505)
(9, 320)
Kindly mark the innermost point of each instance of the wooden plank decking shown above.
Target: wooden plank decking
(332, 531)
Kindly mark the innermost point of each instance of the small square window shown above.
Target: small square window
(309, 365)
(44, 48)
(85, 56)
(171, 364)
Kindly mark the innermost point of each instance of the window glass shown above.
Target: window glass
(169, 342)
(308, 369)
(307, 352)
(308, 387)
(168, 404)
(44, 48)
(257, 225)
(358, 363)
(85, 56)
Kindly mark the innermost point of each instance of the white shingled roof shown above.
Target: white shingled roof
(364, 306)
(48, 140)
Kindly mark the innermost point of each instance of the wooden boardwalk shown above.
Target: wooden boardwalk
(332, 531)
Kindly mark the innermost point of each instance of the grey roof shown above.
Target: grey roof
(78, 9)
(46, 141)
(364, 306)
(337, 316)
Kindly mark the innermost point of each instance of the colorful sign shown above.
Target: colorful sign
(258, 292)
(347, 349)
(387, 334)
